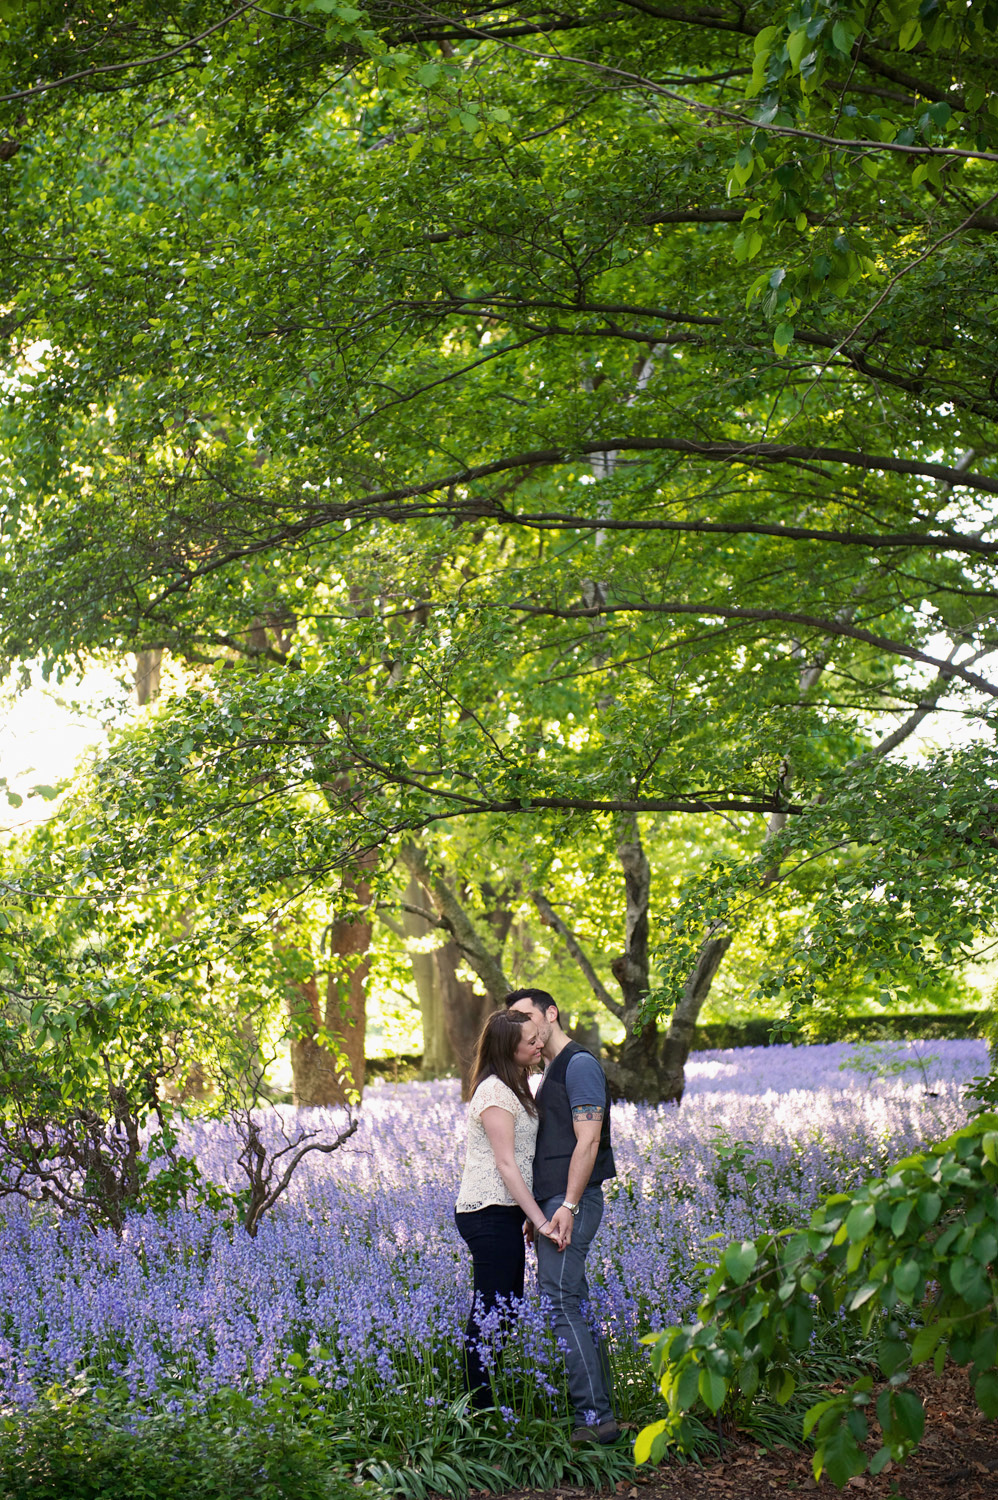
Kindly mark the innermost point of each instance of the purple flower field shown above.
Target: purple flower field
(361, 1270)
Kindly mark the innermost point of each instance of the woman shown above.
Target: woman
(495, 1195)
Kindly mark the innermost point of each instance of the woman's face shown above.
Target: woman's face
(528, 1048)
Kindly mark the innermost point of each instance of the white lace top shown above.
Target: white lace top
(482, 1184)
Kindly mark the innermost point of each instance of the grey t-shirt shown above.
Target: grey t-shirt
(584, 1082)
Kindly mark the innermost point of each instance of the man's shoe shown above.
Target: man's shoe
(601, 1432)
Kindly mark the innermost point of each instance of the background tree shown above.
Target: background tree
(522, 417)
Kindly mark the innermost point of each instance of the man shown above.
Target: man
(572, 1160)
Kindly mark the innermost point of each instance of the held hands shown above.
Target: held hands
(563, 1222)
(547, 1229)
(551, 1230)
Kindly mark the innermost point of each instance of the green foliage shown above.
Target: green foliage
(467, 1451)
(100, 1446)
(868, 1030)
(891, 872)
(84, 1056)
(294, 1442)
(518, 420)
(910, 1257)
(106, 1025)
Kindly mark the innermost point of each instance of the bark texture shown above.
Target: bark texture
(465, 1003)
(146, 677)
(439, 1057)
(334, 1003)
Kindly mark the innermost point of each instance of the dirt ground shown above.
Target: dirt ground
(956, 1460)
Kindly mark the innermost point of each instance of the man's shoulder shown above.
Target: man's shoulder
(584, 1076)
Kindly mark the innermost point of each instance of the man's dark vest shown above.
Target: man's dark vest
(556, 1135)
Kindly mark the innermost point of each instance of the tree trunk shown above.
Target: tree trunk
(315, 1073)
(465, 1010)
(146, 677)
(439, 1057)
(346, 988)
(679, 1037)
(318, 1076)
(633, 1074)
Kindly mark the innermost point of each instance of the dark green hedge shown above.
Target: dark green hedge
(901, 1027)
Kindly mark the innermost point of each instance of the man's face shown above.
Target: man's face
(539, 1018)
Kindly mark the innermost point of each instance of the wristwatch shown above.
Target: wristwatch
(573, 1208)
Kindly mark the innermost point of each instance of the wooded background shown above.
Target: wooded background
(542, 462)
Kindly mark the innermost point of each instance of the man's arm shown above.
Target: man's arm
(587, 1120)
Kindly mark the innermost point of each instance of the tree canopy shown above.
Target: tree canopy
(520, 415)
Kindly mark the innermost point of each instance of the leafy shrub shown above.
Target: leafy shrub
(97, 1446)
(297, 1441)
(911, 1255)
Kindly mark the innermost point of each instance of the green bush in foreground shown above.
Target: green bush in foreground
(911, 1255)
(293, 1443)
(93, 1447)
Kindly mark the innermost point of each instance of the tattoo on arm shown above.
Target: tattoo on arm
(587, 1112)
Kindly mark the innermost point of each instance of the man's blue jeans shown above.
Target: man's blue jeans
(561, 1277)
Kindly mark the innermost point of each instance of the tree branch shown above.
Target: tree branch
(550, 918)
(787, 617)
(139, 62)
(454, 917)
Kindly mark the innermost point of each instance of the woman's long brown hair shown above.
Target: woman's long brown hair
(500, 1038)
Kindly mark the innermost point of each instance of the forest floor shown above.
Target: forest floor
(956, 1460)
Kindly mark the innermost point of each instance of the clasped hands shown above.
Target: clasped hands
(554, 1229)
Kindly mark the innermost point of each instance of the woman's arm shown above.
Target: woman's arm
(498, 1125)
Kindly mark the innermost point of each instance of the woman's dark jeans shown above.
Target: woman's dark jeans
(494, 1235)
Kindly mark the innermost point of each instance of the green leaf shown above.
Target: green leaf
(860, 1220)
(740, 1260)
(909, 35)
(841, 1456)
(783, 337)
(924, 1342)
(892, 1355)
(47, 793)
(687, 1387)
(797, 42)
(907, 1414)
(907, 1276)
(765, 38)
(929, 1206)
(900, 1217)
(986, 1393)
(968, 1280)
(645, 1439)
(844, 36)
(713, 1389)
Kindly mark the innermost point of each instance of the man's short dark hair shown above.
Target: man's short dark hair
(539, 999)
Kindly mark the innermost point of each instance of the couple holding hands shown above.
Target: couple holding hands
(534, 1170)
